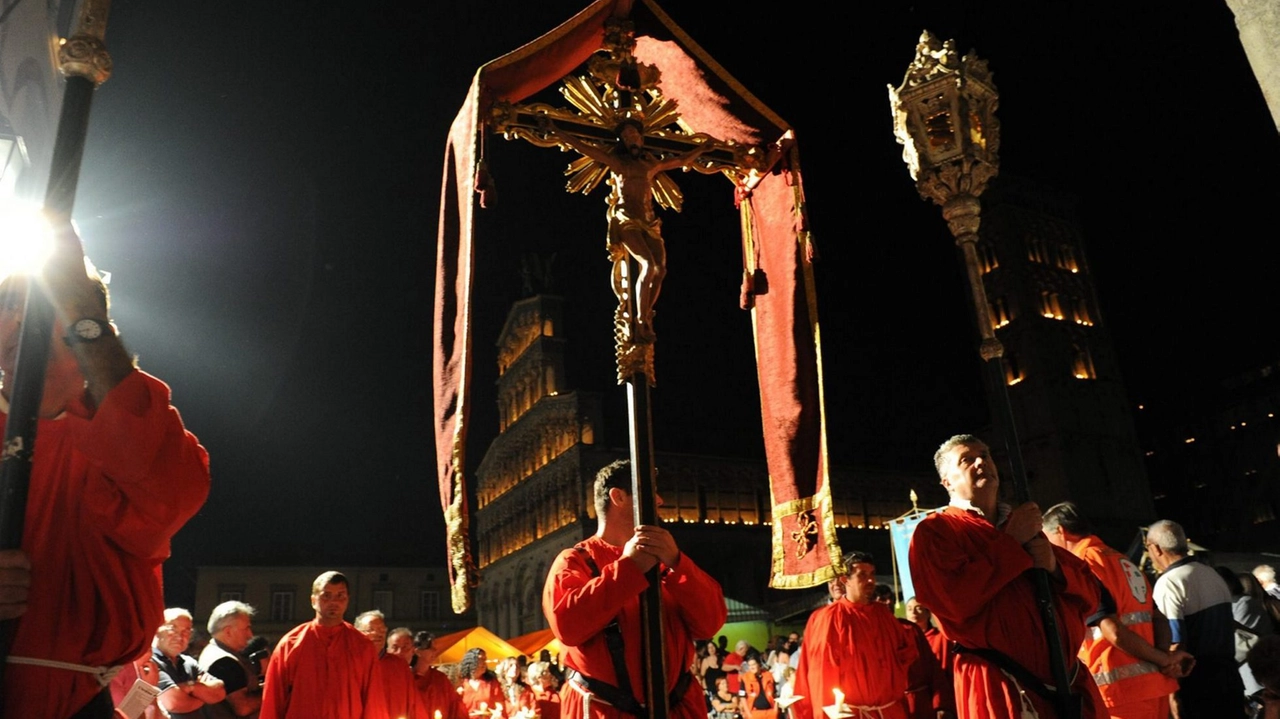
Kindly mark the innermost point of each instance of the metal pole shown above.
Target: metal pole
(84, 60)
(963, 217)
(643, 489)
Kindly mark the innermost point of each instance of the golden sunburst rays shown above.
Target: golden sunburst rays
(598, 106)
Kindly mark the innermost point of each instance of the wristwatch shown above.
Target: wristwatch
(88, 329)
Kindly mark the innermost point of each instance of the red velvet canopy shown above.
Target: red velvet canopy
(775, 241)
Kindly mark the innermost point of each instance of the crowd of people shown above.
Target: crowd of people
(324, 668)
(1018, 613)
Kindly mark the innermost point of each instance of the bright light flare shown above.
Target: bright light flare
(26, 238)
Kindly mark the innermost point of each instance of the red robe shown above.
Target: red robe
(108, 490)
(928, 686)
(400, 696)
(974, 578)
(941, 647)
(319, 672)
(578, 606)
(544, 703)
(487, 692)
(860, 649)
(437, 694)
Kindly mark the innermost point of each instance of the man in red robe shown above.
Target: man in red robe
(399, 693)
(324, 669)
(114, 476)
(855, 653)
(969, 563)
(937, 647)
(599, 581)
(1134, 675)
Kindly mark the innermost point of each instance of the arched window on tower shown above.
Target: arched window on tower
(1082, 368)
(999, 313)
(1013, 373)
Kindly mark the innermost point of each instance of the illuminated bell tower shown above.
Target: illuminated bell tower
(1075, 420)
(532, 493)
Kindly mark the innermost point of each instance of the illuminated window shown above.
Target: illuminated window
(1050, 306)
(1080, 312)
(987, 257)
(1082, 367)
(1013, 373)
(1037, 251)
(999, 313)
(1067, 258)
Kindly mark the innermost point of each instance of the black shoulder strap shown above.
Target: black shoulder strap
(621, 696)
(612, 633)
(586, 557)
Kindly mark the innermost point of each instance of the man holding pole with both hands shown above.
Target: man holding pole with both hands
(970, 562)
(114, 476)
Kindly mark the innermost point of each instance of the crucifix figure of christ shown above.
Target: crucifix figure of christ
(629, 135)
(635, 232)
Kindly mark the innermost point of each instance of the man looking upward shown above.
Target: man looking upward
(970, 564)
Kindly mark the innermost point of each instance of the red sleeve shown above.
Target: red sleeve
(801, 683)
(155, 473)
(699, 599)
(578, 606)
(1082, 594)
(277, 683)
(941, 561)
(374, 690)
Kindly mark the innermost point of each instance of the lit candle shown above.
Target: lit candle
(437, 714)
(839, 700)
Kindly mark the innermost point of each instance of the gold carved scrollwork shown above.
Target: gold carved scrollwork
(806, 535)
(85, 54)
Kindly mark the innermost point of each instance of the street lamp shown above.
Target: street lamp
(944, 117)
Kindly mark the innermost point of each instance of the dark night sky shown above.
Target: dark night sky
(262, 179)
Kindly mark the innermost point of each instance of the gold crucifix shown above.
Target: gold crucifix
(628, 133)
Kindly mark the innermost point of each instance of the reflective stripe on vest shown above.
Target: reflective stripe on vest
(1125, 672)
(1128, 620)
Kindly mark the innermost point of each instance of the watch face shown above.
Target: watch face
(88, 329)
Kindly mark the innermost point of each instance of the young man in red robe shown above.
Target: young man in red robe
(855, 653)
(969, 564)
(324, 668)
(114, 476)
(599, 581)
